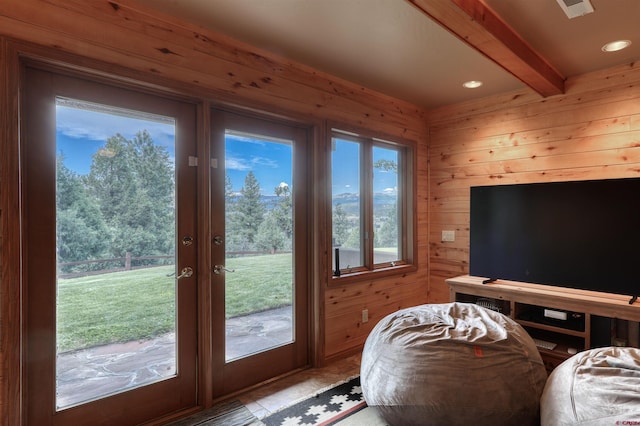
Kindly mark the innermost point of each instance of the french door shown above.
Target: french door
(259, 250)
(109, 201)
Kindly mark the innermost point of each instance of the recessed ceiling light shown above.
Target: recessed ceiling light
(614, 46)
(473, 84)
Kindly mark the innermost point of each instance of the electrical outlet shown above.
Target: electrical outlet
(365, 315)
(448, 236)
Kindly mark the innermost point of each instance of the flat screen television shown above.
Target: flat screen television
(578, 234)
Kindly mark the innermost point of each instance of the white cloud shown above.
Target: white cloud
(236, 163)
(263, 161)
(243, 163)
(99, 126)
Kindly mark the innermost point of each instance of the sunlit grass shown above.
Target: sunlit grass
(140, 304)
(258, 283)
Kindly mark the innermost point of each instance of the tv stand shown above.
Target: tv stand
(575, 320)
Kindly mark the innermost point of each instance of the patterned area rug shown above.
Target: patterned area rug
(341, 405)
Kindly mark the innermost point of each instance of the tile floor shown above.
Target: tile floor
(279, 394)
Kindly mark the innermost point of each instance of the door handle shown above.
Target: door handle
(218, 269)
(185, 273)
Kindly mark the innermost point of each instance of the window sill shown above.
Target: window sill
(371, 275)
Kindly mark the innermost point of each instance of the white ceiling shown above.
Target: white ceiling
(393, 47)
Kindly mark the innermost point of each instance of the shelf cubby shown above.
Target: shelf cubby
(592, 318)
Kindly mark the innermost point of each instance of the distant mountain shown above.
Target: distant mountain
(378, 198)
(350, 201)
(270, 201)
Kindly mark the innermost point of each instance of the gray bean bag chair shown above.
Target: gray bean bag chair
(596, 387)
(452, 364)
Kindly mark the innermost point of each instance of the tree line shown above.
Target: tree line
(126, 204)
(346, 230)
(250, 225)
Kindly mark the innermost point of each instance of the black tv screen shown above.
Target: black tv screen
(579, 234)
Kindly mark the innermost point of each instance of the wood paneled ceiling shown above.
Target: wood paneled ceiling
(423, 50)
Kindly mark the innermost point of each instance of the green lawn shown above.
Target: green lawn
(259, 283)
(134, 305)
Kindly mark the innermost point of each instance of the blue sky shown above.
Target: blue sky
(345, 170)
(270, 162)
(82, 132)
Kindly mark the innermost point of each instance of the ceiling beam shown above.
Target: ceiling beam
(481, 28)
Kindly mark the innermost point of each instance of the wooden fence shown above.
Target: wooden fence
(128, 262)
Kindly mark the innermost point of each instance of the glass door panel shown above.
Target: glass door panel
(115, 245)
(259, 243)
(109, 226)
(259, 226)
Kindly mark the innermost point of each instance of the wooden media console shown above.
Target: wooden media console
(571, 320)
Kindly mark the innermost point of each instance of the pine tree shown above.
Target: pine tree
(233, 238)
(270, 236)
(387, 236)
(133, 181)
(341, 228)
(249, 211)
(284, 210)
(111, 179)
(156, 193)
(81, 233)
(275, 231)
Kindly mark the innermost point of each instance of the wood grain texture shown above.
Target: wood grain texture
(10, 274)
(122, 40)
(568, 299)
(477, 25)
(124, 33)
(591, 132)
(343, 312)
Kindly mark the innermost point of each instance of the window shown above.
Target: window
(371, 200)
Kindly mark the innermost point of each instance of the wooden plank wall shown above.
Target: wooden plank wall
(121, 38)
(590, 132)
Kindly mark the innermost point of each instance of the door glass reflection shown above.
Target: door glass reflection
(258, 244)
(116, 255)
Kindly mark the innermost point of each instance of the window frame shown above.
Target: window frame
(407, 238)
